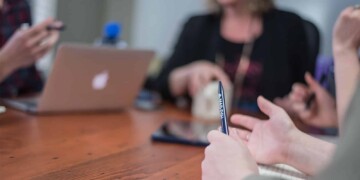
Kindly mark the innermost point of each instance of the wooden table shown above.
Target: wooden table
(94, 146)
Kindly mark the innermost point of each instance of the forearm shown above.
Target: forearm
(308, 154)
(346, 76)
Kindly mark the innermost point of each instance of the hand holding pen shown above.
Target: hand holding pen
(311, 104)
(33, 43)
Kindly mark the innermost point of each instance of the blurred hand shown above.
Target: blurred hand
(268, 141)
(195, 76)
(346, 34)
(346, 41)
(322, 112)
(28, 45)
(227, 158)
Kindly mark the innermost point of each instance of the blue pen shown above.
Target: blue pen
(222, 107)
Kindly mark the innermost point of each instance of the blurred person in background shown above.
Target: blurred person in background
(277, 140)
(21, 46)
(248, 43)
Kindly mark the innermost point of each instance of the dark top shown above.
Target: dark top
(27, 80)
(281, 51)
(244, 97)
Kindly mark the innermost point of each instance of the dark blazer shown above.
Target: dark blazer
(282, 49)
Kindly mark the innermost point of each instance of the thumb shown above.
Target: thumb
(267, 107)
(313, 84)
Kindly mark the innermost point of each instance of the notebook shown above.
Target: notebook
(282, 171)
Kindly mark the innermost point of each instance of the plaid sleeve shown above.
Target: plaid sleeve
(32, 81)
(26, 80)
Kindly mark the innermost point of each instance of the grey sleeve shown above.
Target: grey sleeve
(346, 162)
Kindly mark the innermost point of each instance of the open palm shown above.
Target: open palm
(267, 140)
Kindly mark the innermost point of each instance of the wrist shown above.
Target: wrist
(288, 152)
(308, 154)
(343, 50)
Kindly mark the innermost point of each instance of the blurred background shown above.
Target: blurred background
(155, 24)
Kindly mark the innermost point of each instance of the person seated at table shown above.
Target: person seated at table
(278, 141)
(269, 46)
(21, 48)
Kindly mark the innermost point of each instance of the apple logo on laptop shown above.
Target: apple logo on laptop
(100, 81)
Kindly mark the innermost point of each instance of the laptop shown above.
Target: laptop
(89, 79)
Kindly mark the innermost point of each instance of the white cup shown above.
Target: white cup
(205, 105)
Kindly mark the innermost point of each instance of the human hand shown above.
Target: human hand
(227, 158)
(28, 45)
(346, 41)
(195, 76)
(346, 35)
(322, 112)
(268, 141)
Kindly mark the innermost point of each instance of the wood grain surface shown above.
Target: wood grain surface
(94, 146)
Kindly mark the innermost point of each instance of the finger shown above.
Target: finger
(240, 134)
(313, 84)
(285, 103)
(302, 112)
(294, 97)
(268, 107)
(214, 136)
(36, 40)
(280, 102)
(347, 11)
(299, 107)
(221, 76)
(245, 135)
(39, 28)
(305, 116)
(300, 89)
(191, 89)
(355, 13)
(205, 78)
(194, 84)
(40, 48)
(57, 25)
(53, 38)
(42, 53)
(244, 121)
(233, 134)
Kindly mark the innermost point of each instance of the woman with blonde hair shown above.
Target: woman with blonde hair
(247, 43)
